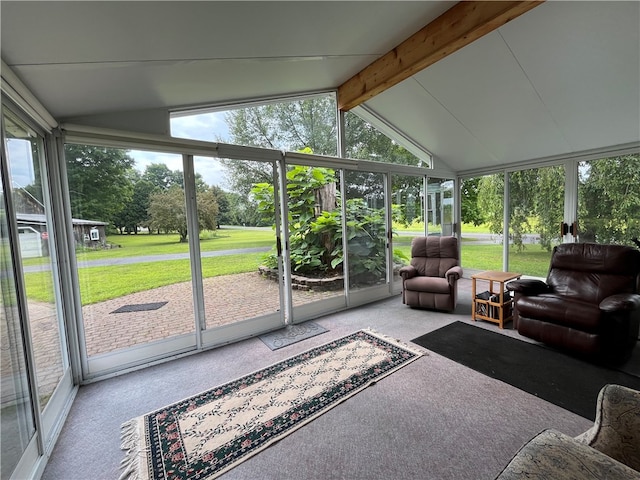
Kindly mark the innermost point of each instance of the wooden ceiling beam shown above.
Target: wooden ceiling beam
(462, 24)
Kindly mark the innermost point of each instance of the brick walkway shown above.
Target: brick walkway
(228, 299)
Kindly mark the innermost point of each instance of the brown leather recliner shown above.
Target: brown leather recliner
(589, 305)
(430, 281)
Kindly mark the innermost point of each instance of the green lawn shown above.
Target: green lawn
(104, 283)
(146, 244)
(227, 238)
(532, 261)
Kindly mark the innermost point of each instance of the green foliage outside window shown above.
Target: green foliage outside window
(315, 234)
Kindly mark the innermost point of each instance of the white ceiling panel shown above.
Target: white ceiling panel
(109, 87)
(422, 118)
(484, 88)
(562, 78)
(585, 65)
(117, 31)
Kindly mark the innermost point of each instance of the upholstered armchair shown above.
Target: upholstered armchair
(616, 430)
(609, 449)
(430, 281)
(589, 304)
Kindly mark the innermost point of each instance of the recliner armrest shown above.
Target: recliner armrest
(453, 274)
(528, 287)
(621, 302)
(408, 271)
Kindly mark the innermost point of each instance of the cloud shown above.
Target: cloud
(212, 171)
(20, 162)
(206, 126)
(210, 127)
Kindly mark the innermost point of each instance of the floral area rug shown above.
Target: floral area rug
(208, 434)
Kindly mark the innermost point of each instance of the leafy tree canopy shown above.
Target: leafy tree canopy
(167, 211)
(100, 180)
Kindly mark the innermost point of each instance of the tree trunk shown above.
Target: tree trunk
(326, 202)
(325, 199)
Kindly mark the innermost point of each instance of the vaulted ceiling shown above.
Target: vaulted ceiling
(559, 79)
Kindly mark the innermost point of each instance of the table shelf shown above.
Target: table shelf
(503, 312)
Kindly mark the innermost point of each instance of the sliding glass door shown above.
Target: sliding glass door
(315, 240)
(240, 262)
(36, 374)
(367, 234)
(133, 258)
(536, 212)
(408, 214)
(16, 408)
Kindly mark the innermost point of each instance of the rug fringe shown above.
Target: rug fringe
(417, 349)
(135, 457)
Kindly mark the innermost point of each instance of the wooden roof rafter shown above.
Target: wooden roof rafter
(459, 26)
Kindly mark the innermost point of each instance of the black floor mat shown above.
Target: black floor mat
(556, 377)
(139, 307)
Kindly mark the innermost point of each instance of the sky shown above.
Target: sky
(208, 126)
(20, 162)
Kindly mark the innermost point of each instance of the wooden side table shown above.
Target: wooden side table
(501, 308)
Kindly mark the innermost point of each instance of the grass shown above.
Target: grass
(532, 261)
(104, 283)
(151, 244)
(146, 244)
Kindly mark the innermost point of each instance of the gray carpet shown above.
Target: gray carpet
(409, 425)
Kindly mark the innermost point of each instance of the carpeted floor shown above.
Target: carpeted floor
(203, 436)
(541, 371)
(433, 419)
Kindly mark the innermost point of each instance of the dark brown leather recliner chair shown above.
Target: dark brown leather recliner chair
(430, 281)
(589, 304)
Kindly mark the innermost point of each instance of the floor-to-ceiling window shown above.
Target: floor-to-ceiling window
(367, 237)
(307, 125)
(408, 219)
(130, 239)
(536, 211)
(16, 407)
(482, 222)
(314, 221)
(36, 373)
(240, 270)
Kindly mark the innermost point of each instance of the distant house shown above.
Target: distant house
(32, 227)
(34, 237)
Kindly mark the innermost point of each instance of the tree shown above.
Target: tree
(307, 125)
(471, 213)
(536, 204)
(159, 175)
(491, 201)
(609, 199)
(167, 211)
(207, 202)
(310, 126)
(99, 181)
(224, 206)
(134, 213)
(315, 227)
